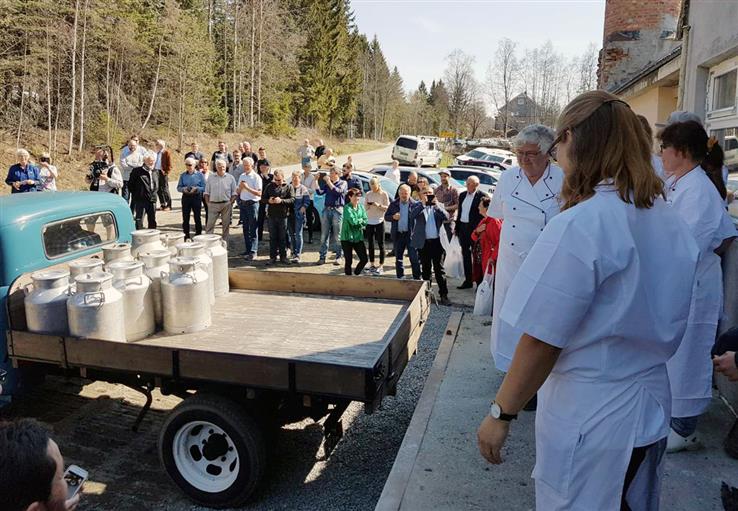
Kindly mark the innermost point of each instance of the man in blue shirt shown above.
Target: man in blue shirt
(24, 176)
(402, 212)
(332, 217)
(191, 185)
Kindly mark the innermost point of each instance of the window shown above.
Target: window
(521, 101)
(486, 179)
(476, 154)
(431, 146)
(77, 234)
(724, 90)
(407, 143)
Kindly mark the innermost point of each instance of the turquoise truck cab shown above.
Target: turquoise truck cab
(40, 230)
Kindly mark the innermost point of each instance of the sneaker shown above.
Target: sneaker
(321, 260)
(284, 260)
(296, 259)
(249, 256)
(369, 271)
(677, 442)
(378, 270)
(271, 262)
(337, 262)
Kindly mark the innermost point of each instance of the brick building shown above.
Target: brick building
(637, 33)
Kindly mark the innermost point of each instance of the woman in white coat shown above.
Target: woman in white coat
(526, 199)
(691, 193)
(601, 315)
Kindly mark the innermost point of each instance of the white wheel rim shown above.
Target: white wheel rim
(205, 456)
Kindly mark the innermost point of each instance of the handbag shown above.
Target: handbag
(454, 262)
(484, 298)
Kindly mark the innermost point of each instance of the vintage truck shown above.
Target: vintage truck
(248, 374)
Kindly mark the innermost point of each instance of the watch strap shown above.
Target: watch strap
(507, 417)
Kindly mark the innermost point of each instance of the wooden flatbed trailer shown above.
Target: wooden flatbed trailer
(282, 347)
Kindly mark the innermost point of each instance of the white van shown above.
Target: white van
(417, 151)
(731, 152)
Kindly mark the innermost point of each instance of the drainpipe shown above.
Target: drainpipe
(683, 67)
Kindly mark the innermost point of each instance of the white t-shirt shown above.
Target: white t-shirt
(252, 180)
(394, 175)
(466, 207)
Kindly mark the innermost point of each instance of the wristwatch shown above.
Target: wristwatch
(496, 412)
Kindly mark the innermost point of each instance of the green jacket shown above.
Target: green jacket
(354, 221)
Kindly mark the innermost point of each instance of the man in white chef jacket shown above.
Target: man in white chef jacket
(526, 199)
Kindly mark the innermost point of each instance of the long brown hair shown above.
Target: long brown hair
(608, 143)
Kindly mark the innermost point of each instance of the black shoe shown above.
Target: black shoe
(444, 301)
(465, 285)
(271, 262)
(531, 405)
(284, 260)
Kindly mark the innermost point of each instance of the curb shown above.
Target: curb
(397, 481)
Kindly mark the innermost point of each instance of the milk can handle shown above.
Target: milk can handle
(25, 288)
(100, 296)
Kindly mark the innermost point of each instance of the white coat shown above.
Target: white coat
(525, 210)
(617, 307)
(697, 201)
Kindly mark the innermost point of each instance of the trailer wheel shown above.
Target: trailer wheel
(213, 450)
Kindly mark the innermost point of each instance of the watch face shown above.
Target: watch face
(495, 410)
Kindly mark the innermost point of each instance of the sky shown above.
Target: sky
(418, 35)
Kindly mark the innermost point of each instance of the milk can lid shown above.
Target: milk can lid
(47, 275)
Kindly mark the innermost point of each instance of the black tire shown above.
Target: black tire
(245, 434)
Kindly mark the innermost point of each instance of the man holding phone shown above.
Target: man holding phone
(32, 476)
(191, 185)
(426, 239)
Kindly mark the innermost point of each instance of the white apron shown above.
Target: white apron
(697, 201)
(617, 309)
(525, 210)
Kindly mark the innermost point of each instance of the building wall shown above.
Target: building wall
(636, 33)
(655, 104)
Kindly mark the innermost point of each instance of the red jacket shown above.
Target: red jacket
(489, 239)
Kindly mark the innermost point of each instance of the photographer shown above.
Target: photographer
(427, 223)
(191, 185)
(48, 173)
(103, 175)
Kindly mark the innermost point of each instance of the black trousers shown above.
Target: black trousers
(464, 231)
(431, 257)
(348, 251)
(312, 218)
(277, 237)
(261, 219)
(376, 233)
(165, 200)
(191, 204)
(144, 206)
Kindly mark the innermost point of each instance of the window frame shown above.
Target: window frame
(70, 219)
(723, 111)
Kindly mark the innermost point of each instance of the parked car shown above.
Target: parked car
(731, 152)
(483, 154)
(387, 184)
(487, 181)
(417, 151)
(433, 177)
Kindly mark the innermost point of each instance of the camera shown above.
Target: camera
(96, 170)
(45, 160)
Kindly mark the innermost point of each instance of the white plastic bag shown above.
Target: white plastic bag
(454, 262)
(483, 299)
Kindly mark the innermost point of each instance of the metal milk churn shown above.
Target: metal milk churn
(145, 240)
(46, 303)
(219, 254)
(185, 294)
(171, 240)
(156, 262)
(138, 298)
(87, 265)
(202, 254)
(117, 252)
(95, 310)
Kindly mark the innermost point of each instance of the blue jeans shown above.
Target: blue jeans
(684, 426)
(402, 242)
(330, 225)
(296, 224)
(250, 221)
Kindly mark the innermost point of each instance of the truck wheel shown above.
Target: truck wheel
(213, 450)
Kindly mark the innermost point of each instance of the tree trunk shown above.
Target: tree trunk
(180, 129)
(74, 77)
(48, 84)
(156, 86)
(82, 80)
(261, 39)
(107, 94)
(23, 93)
(58, 105)
(253, 67)
(234, 114)
(119, 91)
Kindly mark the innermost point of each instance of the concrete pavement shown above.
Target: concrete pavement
(439, 467)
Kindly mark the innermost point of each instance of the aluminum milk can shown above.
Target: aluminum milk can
(202, 254)
(117, 252)
(219, 254)
(171, 240)
(185, 294)
(145, 240)
(46, 303)
(138, 298)
(96, 308)
(156, 262)
(86, 265)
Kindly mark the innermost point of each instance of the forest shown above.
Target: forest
(86, 72)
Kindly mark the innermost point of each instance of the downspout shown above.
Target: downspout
(683, 67)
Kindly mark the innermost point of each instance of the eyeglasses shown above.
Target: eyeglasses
(527, 154)
(553, 151)
(189, 165)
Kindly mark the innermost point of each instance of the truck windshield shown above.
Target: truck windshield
(79, 233)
